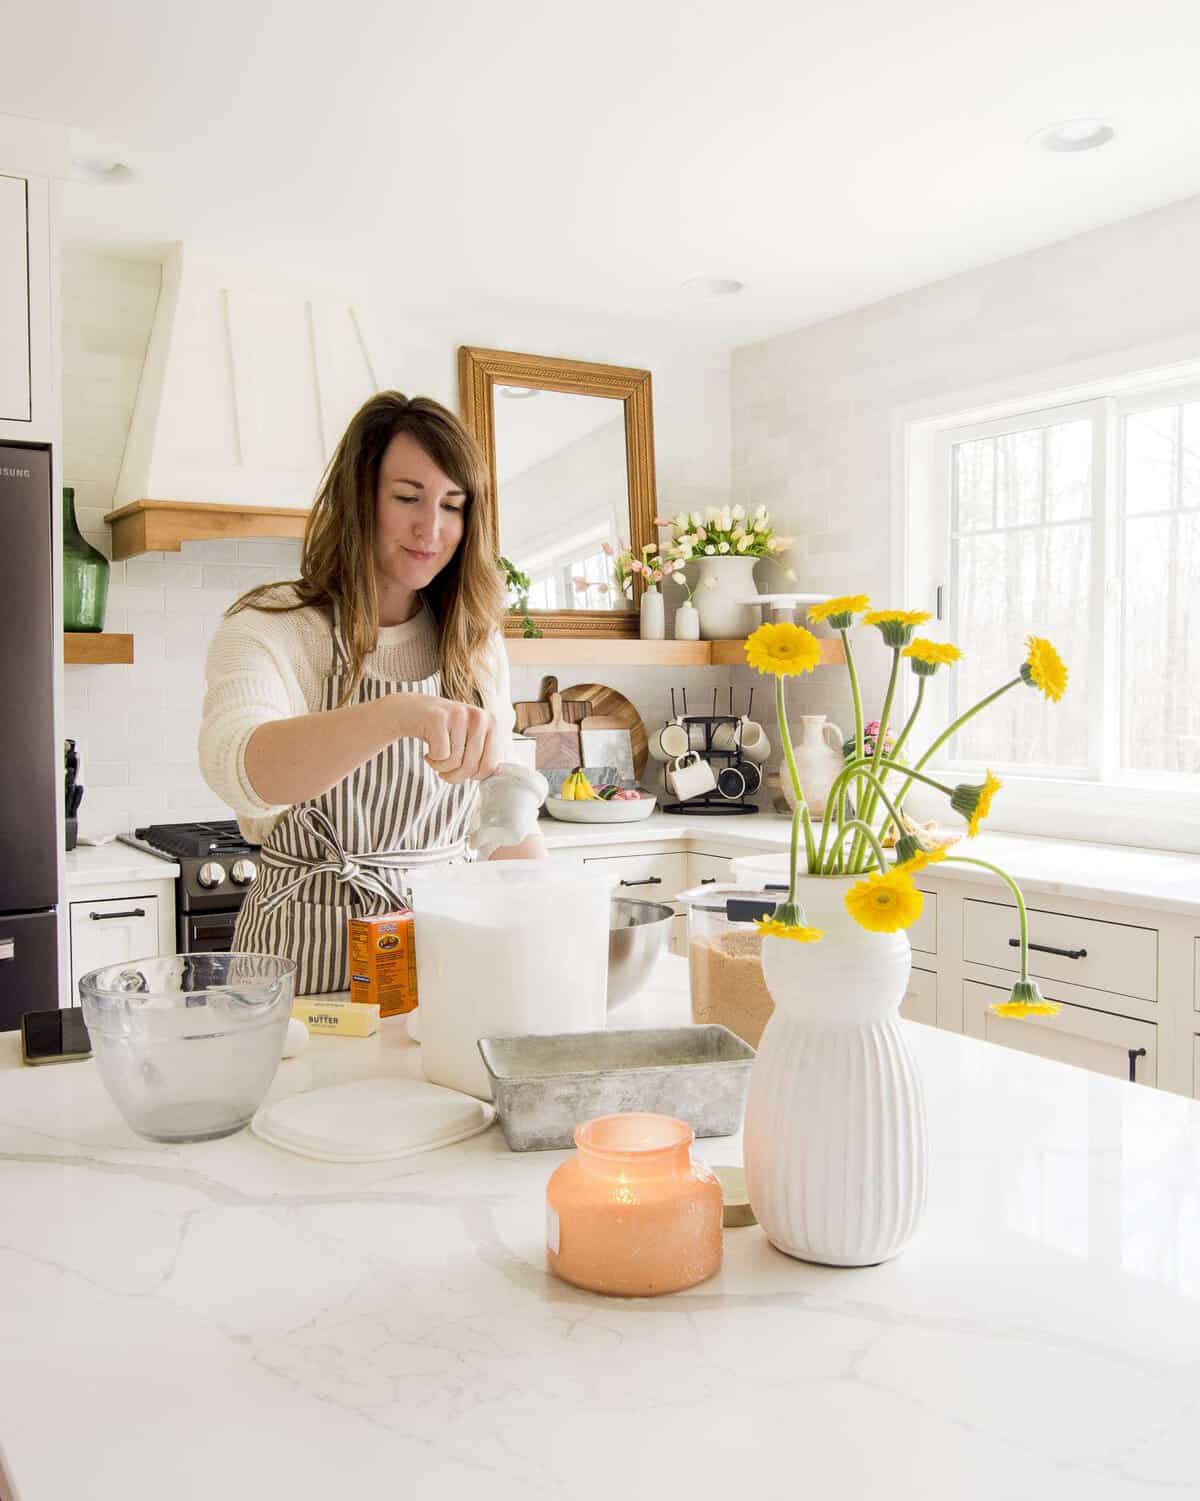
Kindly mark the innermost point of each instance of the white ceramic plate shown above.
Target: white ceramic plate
(597, 810)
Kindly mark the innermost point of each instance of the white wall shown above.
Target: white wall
(137, 725)
(816, 413)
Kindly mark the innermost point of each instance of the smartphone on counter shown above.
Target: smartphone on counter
(55, 1036)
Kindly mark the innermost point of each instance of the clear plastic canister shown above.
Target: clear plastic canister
(725, 958)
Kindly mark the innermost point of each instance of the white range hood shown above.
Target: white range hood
(248, 383)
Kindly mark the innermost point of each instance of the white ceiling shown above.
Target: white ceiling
(593, 157)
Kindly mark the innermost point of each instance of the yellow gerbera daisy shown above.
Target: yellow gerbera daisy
(927, 656)
(896, 626)
(918, 860)
(885, 903)
(1025, 999)
(838, 611)
(975, 802)
(770, 928)
(1044, 668)
(782, 650)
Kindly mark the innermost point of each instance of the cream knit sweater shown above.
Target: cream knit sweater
(265, 665)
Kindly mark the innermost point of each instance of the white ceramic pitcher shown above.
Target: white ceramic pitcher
(818, 751)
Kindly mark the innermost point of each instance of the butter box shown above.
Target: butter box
(383, 962)
(337, 1018)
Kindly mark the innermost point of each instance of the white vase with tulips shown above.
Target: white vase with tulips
(724, 544)
(835, 1144)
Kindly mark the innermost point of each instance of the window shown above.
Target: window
(1080, 523)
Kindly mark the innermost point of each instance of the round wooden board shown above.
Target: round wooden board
(609, 702)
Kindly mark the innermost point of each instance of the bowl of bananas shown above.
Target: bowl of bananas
(579, 802)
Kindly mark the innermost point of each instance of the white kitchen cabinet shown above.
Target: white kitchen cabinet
(1086, 951)
(110, 931)
(923, 933)
(708, 869)
(1196, 1068)
(1120, 1046)
(651, 878)
(920, 999)
(15, 389)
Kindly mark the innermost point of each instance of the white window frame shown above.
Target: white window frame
(1160, 810)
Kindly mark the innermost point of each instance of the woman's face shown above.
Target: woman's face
(419, 516)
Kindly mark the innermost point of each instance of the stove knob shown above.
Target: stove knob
(210, 874)
(243, 872)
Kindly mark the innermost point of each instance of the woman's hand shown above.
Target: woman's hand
(460, 738)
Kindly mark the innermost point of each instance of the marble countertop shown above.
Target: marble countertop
(110, 864)
(1058, 867)
(228, 1320)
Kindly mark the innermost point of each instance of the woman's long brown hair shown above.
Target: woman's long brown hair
(337, 563)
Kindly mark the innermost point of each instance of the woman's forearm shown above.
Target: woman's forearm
(289, 761)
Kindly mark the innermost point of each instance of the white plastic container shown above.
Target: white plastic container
(762, 870)
(505, 949)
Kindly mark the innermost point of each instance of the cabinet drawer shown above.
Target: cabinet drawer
(1110, 956)
(652, 878)
(1196, 978)
(15, 388)
(1094, 1040)
(111, 931)
(708, 868)
(1196, 1068)
(920, 1000)
(923, 933)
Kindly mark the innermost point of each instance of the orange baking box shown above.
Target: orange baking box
(383, 962)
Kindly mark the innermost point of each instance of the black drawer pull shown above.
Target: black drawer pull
(708, 880)
(1046, 948)
(649, 881)
(108, 916)
(1134, 1055)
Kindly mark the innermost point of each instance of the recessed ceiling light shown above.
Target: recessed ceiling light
(1084, 134)
(519, 393)
(712, 286)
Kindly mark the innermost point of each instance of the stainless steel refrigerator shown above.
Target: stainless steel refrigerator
(31, 776)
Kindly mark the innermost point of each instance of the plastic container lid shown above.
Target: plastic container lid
(717, 898)
(372, 1120)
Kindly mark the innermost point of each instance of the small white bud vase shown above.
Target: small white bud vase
(687, 623)
(654, 614)
(835, 1142)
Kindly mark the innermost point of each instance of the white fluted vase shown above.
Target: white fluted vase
(835, 1143)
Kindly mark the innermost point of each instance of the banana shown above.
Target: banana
(567, 790)
(584, 791)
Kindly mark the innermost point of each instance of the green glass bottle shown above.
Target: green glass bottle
(85, 575)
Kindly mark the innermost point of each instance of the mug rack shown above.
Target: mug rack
(714, 802)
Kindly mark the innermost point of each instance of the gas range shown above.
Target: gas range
(217, 867)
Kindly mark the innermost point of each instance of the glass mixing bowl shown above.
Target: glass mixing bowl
(187, 1045)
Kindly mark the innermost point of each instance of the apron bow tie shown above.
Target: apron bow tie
(363, 873)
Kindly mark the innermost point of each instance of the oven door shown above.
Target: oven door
(206, 932)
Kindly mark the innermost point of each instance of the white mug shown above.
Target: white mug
(670, 742)
(754, 744)
(689, 776)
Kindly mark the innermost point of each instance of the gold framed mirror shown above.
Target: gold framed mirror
(572, 480)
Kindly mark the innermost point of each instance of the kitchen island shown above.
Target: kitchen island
(227, 1320)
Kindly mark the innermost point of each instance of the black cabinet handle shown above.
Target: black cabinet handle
(108, 916)
(708, 880)
(649, 881)
(1046, 948)
(1134, 1055)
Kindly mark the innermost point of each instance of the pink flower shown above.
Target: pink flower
(661, 521)
(607, 549)
(635, 566)
(580, 584)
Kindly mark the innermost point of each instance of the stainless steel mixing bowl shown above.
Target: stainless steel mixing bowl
(637, 937)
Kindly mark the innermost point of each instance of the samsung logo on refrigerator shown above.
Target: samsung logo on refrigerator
(15, 473)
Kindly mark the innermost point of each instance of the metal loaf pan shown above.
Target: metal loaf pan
(544, 1087)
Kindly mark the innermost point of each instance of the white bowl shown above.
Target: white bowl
(600, 810)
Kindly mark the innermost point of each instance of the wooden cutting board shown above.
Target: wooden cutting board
(556, 744)
(617, 713)
(537, 711)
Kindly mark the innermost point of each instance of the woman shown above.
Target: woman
(351, 714)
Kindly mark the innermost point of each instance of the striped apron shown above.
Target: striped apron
(344, 854)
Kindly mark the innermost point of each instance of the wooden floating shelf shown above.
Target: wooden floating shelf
(97, 648)
(164, 525)
(566, 651)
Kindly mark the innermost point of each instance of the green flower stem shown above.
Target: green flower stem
(810, 848)
(795, 852)
(950, 730)
(1022, 917)
(868, 811)
(864, 831)
(855, 691)
(912, 719)
(862, 768)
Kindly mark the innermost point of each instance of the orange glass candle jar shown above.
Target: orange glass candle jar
(631, 1214)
